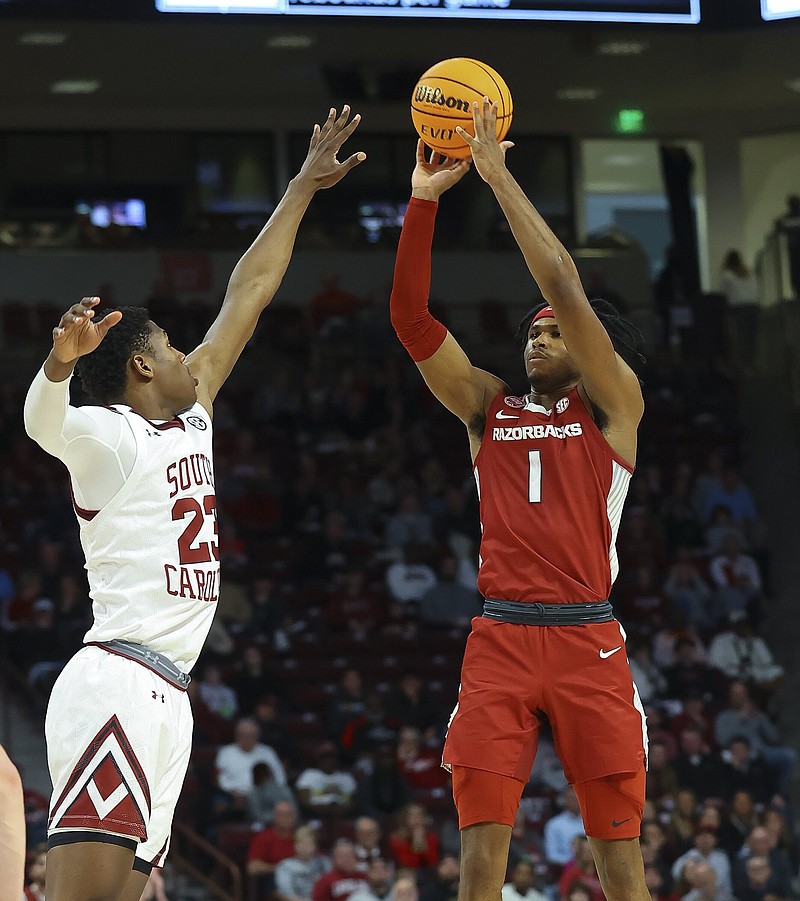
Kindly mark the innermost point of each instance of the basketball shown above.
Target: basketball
(443, 98)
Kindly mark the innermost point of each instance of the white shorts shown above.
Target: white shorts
(118, 743)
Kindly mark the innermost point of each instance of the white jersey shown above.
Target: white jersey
(151, 552)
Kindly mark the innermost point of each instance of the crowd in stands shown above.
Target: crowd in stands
(348, 540)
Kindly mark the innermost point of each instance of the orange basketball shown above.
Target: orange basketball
(443, 97)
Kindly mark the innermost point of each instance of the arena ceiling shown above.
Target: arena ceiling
(257, 73)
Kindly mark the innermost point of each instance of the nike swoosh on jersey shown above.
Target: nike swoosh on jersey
(502, 415)
(605, 654)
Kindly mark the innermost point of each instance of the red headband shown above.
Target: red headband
(544, 313)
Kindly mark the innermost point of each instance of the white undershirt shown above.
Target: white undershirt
(96, 444)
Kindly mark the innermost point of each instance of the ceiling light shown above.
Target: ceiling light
(622, 48)
(577, 93)
(42, 38)
(75, 86)
(290, 41)
(792, 84)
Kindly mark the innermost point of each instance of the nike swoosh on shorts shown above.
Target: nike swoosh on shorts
(605, 654)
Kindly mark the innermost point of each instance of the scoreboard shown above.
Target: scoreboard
(655, 11)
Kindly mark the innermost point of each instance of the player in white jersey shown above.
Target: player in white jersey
(119, 722)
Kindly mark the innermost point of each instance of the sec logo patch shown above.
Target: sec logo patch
(562, 404)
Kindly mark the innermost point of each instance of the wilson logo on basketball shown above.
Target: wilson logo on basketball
(436, 97)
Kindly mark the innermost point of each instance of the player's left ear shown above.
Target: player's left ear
(141, 366)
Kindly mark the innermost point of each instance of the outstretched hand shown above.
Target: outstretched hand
(435, 174)
(76, 335)
(488, 154)
(321, 166)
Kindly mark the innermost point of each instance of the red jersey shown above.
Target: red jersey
(551, 492)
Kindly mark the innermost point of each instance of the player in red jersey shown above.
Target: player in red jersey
(552, 470)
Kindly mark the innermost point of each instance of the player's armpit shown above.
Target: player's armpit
(461, 387)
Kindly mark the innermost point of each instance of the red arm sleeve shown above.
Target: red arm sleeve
(418, 331)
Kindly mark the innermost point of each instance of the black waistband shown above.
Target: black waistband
(139, 653)
(547, 614)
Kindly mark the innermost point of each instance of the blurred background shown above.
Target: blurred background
(140, 153)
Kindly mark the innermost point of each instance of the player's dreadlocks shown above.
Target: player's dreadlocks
(626, 338)
(103, 372)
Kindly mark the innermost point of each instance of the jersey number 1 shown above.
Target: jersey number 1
(535, 477)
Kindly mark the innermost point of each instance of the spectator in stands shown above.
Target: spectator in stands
(776, 823)
(755, 885)
(385, 790)
(371, 728)
(742, 818)
(662, 780)
(326, 788)
(720, 527)
(760, 844)
(743, 718)
(295, 876)
(581, 868)
(353, 608)
(578, 891)
(444, 886)
(379, 873)
(700, 880)
(35, 875)
(739, 286)
(740, 654)
(347, 703)
(560, 831)
(737, 580)
(737, 497)
(694, 714)
(272, 845)
(449, 603)
(18, 610)
(332, 307)
(687, 675)
(265, 795)
(367, 842)
(789, 225)
(705, 851)
(648, 677)
(520, 886)
(216, 695)
(410, 524)
(343, 879)
(411, 704)
(37, 648)
(421, 766)
(235, 764)
(405, 889)
(269, 620)
(683, 818)
(696, 767)
(413, 844)
(252, 680)
(272, 732)
(658, 884)
(687, 590)
(73, 614)
(708, 480)
(411, 577)
(744, 769)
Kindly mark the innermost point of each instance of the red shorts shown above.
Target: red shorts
(611, 807)
(514, 677)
